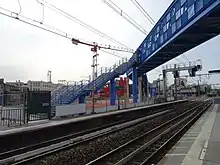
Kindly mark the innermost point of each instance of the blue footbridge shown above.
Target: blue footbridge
(184, 25)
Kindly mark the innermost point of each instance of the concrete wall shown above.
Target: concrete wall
(65, 110)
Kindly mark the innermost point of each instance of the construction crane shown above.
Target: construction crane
(94, 48)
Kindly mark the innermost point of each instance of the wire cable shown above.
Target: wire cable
(177, 60)
(120, 12)
(112, 53)
(50, 29)
(143, 11)
(186, 57)
(42, 19)
(85, 25)
(14, 15)
(20, 8)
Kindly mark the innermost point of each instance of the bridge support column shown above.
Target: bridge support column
(112, 92)
(134, 86)
(140, 89)
(145, 85)
(82, 99)
(165, 84)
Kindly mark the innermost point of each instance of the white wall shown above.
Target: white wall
(103, 109)
(12, 113)
(65, 110)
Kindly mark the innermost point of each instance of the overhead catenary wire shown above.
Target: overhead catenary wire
(177, 60)
(124, 15)
(112, 53)
(20, 7)
(25, 20)
(50, 29)
(80, 22)
(186, 58)
(42, 19)
(143, 11)
(138, 5)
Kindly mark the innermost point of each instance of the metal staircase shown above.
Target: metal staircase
(67, 94)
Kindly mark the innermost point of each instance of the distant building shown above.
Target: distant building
(34, 85)
(41, 86)
(10, 94)
(18, 84)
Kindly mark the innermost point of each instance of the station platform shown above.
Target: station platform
(201, 143)
(36, 125)
(32, 134)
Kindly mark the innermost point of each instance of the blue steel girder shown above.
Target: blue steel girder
(185, 25)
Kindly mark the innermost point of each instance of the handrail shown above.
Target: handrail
(107, 73)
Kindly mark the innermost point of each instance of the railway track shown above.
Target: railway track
(81, 127)
(24, 149)
(143, 149)
(22, 157)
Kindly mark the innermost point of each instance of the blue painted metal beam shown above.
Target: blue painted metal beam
(112, 92)
(134, 85)
(82, 99)
(185, 25)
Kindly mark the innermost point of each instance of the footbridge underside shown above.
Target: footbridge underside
(193, 23)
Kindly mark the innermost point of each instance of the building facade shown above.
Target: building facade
(34, 85)
(41, 86)
(10, 95)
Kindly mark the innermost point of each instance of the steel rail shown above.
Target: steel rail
(80, 140)
(70, 143)
(181, 130)
(10, 153)
(104, 158)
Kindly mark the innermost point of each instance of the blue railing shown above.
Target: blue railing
(176, 18)
(68, 94)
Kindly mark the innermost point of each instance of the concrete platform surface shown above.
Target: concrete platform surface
(200, 145)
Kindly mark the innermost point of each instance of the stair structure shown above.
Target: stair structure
(185, 25)
(67, 94)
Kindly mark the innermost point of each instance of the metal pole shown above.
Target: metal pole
(93, 87)
(175, 86)
(94, 66)
(106, 103)
(159, 87)
(165, 85)
(118, 102)
(156, 87)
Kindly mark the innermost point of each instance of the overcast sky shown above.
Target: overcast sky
(27, 52)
